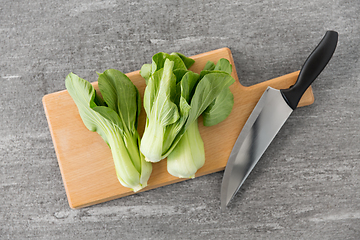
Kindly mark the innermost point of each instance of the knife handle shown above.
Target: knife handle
(311, 69)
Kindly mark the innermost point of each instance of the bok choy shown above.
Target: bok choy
(173, 100)
(165, 108)
(114, 116)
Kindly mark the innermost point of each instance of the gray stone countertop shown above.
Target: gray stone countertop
(306, 185)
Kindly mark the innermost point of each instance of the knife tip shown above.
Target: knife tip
(223, 206)
(224, 201)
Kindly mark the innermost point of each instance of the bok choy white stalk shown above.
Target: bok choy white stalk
(188, 155)
(114, 117)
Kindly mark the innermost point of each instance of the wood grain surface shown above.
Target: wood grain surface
(305, 186)
(86, 162)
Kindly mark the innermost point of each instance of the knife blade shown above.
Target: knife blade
(267, 118)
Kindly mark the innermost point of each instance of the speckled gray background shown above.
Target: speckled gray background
(306, 186)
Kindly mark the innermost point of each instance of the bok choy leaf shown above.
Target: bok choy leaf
(221, 107)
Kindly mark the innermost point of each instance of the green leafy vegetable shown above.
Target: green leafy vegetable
(168, 85)
(162, 112)
(115, 119)
(173, 90)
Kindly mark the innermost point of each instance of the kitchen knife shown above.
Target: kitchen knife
(268, 116)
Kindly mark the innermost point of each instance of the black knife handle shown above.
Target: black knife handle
(312, 67)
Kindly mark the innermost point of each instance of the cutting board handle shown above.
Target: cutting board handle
(311, 69)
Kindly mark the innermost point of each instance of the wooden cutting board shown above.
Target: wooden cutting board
(85, 160)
